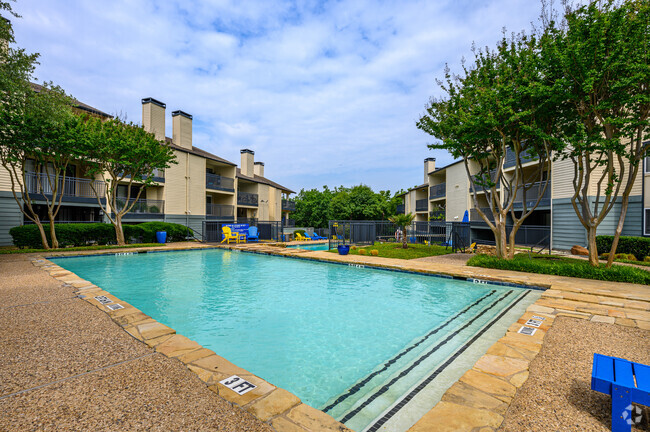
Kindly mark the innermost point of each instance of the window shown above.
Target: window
(646, 165)
(646, 221)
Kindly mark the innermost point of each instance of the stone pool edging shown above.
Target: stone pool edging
(478, 401)
(278, 408)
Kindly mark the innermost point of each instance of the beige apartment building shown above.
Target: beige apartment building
(445, 195)
(200, 187)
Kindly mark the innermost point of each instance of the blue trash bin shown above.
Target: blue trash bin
(161, 236)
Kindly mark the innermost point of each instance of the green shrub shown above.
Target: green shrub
(646, 259)
(563, 267)
(82, 234)
(637, 246)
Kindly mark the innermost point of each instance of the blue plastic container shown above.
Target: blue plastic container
(161, 236)
(344, 249)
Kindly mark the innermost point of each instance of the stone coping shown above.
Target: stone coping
(478, 401)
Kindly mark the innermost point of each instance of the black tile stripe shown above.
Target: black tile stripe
(359, 385)
(417, 362)
(379, 423)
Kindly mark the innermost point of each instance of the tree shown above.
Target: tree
(500, 108)
(123, 153)
(600, 61)
(402, 221)
(313, 208)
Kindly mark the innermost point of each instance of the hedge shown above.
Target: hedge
(637, 246)
(82, 234)
(571, 267)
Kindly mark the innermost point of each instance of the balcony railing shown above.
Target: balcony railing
(37, 183)
(422, 205)
(479, 187)
(247, 199)
(400, 209)
(218, 182)
(288, 205)
(220, 210)
(142, 206)
(438, 191)
(511, 158)
(532, 195)
(438, 215)
(474, 216)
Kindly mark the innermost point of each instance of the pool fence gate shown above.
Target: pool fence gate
(266, 230)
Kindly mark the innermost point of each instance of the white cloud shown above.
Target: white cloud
(325, 93)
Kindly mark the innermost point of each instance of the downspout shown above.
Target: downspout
(187, 190)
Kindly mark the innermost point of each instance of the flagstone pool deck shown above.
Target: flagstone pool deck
(68, 365)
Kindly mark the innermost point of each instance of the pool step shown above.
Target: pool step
(369, 399)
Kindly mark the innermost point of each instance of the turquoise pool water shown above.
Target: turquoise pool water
(334, 335)
(314, 247)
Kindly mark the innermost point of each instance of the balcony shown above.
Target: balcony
(400, 209)
(157, 175)
(438, 191)
(288, 205)
(511, 158)
(247, 199)
(422, 205)
(290, 223)
(532, 195)
(142, 207)
(475, 217)
(220, 210)
(73, 189)
(218, 182)
(438, 215)
(480, 188)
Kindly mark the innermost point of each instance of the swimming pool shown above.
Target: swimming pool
(354, 342)
(314, 247)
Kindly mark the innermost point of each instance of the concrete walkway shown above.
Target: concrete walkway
(65, 365)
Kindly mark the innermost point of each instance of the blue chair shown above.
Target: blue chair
(616, 377)
(252, 234)
(317, 237)
(309, 237)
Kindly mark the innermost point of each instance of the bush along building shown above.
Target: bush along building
(201, 186)
(446, 192)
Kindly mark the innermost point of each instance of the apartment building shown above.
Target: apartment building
(201, 186)
(448, 198)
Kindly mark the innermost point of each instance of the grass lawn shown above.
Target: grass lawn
(563, 266)
(394, 250)
(14, 250)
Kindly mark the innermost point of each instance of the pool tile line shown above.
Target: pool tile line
(277, 407)
(394, 410)
(384, 388)
(359, 385)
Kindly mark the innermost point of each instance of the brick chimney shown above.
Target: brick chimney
(153, 117)
(429, 165)
(182, 129)
(247, 161)
(258, 168)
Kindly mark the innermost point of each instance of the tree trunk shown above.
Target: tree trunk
(119, 233)
(46, 245)
(500, 240)
(593, 251)
(55, 241)
(619, 229)
(404, 243)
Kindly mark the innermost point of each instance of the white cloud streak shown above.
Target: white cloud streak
(325, 93)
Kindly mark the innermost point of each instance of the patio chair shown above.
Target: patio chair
(228, 235)
(317, 237)
(300, 237)
(253, 235)
(616, 377)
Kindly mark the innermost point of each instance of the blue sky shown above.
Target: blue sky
(325, 93)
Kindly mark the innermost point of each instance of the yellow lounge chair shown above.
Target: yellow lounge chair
(229, 235)
(301, 237)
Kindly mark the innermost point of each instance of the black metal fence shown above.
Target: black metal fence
(266, 230)
(457, 235)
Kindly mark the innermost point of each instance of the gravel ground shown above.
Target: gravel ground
(455, 258)
(557, 394)
(47, 335)
(149, 394)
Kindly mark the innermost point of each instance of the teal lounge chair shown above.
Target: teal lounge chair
(317, 237)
